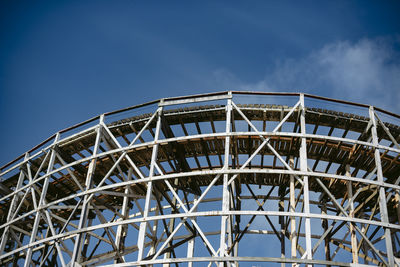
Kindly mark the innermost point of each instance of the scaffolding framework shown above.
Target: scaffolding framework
(222, 179)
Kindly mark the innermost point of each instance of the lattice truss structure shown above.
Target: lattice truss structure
(209, 180)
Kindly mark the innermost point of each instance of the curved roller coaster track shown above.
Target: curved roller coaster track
(227, 179)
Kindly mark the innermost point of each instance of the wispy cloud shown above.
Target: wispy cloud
(366, 71)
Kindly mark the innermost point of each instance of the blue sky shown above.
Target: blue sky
(62, 62)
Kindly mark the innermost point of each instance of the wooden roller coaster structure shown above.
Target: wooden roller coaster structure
(228, 179)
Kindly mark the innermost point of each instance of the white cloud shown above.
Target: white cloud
(367, 71)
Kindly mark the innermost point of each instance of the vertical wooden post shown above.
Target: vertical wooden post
(293, 235)
(85, 205)
(143, 225)
(364, 246)
(303, 167)
(225, 192)
(354, 247)
(281, 208)
(325, 226)
(191, 242)
(382, 195)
